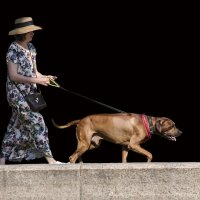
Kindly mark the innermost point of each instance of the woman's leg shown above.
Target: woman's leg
(36, 131)
(9, 140)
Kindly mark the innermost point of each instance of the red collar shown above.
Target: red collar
(146, 125)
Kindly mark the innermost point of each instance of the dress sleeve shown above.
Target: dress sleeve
(12, 54)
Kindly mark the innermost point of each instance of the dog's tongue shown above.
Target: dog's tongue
(172, 138)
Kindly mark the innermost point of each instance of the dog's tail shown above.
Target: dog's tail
(75, 122)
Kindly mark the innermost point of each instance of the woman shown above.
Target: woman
(27, 134)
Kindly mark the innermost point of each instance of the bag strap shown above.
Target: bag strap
(18, 89)
(37, 85)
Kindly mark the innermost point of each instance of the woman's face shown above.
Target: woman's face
(29, 36)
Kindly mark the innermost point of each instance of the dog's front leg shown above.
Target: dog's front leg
(124, 154)
(137, 148)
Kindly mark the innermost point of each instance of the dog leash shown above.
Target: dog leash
(55, 84)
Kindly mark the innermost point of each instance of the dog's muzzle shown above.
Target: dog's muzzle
(173, 138)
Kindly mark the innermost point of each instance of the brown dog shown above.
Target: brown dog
(128, 130)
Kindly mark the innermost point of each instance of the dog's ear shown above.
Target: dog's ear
(160, 123)
(158, 126)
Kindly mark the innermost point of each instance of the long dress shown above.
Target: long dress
(27, 134)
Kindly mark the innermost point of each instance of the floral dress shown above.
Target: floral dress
(27, 135)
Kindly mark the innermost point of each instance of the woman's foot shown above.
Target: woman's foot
(58, 162)
(51, 160)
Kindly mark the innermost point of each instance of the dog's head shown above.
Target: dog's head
(166, 128)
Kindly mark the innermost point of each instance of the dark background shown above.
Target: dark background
(137, 58)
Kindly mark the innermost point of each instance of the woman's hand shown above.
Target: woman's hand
(43, 80)
(49, 76)
(52, 77)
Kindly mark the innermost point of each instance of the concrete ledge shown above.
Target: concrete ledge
(101, 181)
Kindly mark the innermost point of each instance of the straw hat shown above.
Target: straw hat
(24, 25)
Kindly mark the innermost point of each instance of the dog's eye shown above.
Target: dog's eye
(169, 128)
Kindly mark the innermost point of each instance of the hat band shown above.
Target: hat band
(20, 25)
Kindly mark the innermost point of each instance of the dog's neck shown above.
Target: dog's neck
(152, 122)
(149, 123)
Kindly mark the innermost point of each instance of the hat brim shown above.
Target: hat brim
(23, 30)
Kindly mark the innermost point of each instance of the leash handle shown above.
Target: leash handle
(53, 83)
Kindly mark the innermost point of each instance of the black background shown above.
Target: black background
(137, 58)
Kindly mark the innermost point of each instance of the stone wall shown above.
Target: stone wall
(102, 181)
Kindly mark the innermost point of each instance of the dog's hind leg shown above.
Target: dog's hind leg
(95, 142)
(82, 148)
(84, 137)
(80, 160)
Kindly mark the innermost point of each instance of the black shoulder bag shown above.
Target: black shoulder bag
(35, 101)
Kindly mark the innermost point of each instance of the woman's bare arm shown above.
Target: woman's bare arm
(14, 76)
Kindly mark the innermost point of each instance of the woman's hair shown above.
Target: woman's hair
(20, 37)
